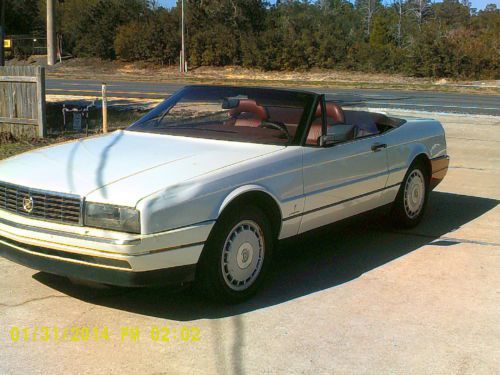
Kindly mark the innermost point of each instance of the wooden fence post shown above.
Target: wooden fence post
(40, 93)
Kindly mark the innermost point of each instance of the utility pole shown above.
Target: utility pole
(2, 32)
(51, 35)
(183, 50)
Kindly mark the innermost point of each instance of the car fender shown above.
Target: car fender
(243, 190)
(416, 149)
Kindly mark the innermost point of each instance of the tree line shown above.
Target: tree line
(414, 37)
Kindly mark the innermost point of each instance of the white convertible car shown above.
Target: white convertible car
(202, 187)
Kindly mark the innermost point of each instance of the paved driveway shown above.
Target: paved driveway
(356, 298)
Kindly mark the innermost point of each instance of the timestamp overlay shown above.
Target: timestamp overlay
(19, 334)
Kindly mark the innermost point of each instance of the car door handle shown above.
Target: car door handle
(378, 146)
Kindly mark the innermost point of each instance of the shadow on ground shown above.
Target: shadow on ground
(321, 259)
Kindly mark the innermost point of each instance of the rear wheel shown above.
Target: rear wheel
(410, 203)
(237, 255)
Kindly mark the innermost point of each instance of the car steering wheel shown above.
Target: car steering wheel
(276, 125)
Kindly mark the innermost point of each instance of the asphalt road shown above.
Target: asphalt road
(391, 99)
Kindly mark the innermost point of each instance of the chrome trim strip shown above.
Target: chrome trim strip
(64, 259)
(69, 256)
(74, 196)
(343, 201)
(174, 248)
(45, 192)
(110, 241)
(394, 170)
(344, 184)
(442, 157)
(98, 239)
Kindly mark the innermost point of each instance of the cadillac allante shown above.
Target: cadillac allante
(202, 187)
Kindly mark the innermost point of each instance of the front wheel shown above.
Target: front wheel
(410, 203)
(237, 255)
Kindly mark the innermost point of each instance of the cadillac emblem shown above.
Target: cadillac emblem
(28, 204)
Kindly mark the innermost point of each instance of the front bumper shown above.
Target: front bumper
(111, 276)
(106, 257)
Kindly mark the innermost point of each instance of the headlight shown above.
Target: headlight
(107, 216)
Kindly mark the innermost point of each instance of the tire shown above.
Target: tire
(409, 207)
(237, 255)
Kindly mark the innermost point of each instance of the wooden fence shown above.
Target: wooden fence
(22, 101)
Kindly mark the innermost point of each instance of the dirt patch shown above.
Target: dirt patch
(93, 68)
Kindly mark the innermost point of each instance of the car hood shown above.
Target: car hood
(91, 166)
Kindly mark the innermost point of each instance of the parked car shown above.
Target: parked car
(202, 187)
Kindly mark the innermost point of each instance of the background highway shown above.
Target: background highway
(406, 100)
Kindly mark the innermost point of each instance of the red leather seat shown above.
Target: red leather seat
(248, 113)
(334, 115)
(315, 132)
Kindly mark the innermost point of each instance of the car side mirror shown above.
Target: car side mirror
(338, 133)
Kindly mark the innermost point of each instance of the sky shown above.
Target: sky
(479, 4)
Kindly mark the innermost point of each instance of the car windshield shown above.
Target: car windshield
(246, 114)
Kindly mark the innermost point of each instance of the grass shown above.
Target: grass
(10, 146)
(118, 118)
(11, 149)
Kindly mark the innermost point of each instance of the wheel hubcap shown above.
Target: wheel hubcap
(243, 255)
(414, 196)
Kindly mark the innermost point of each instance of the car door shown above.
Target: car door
(343, 179)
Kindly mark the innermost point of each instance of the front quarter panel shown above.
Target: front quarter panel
(203, 199)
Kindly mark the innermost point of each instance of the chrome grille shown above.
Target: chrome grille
(50, 206)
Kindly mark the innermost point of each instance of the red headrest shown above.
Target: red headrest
(249, 106)
(333, 111)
